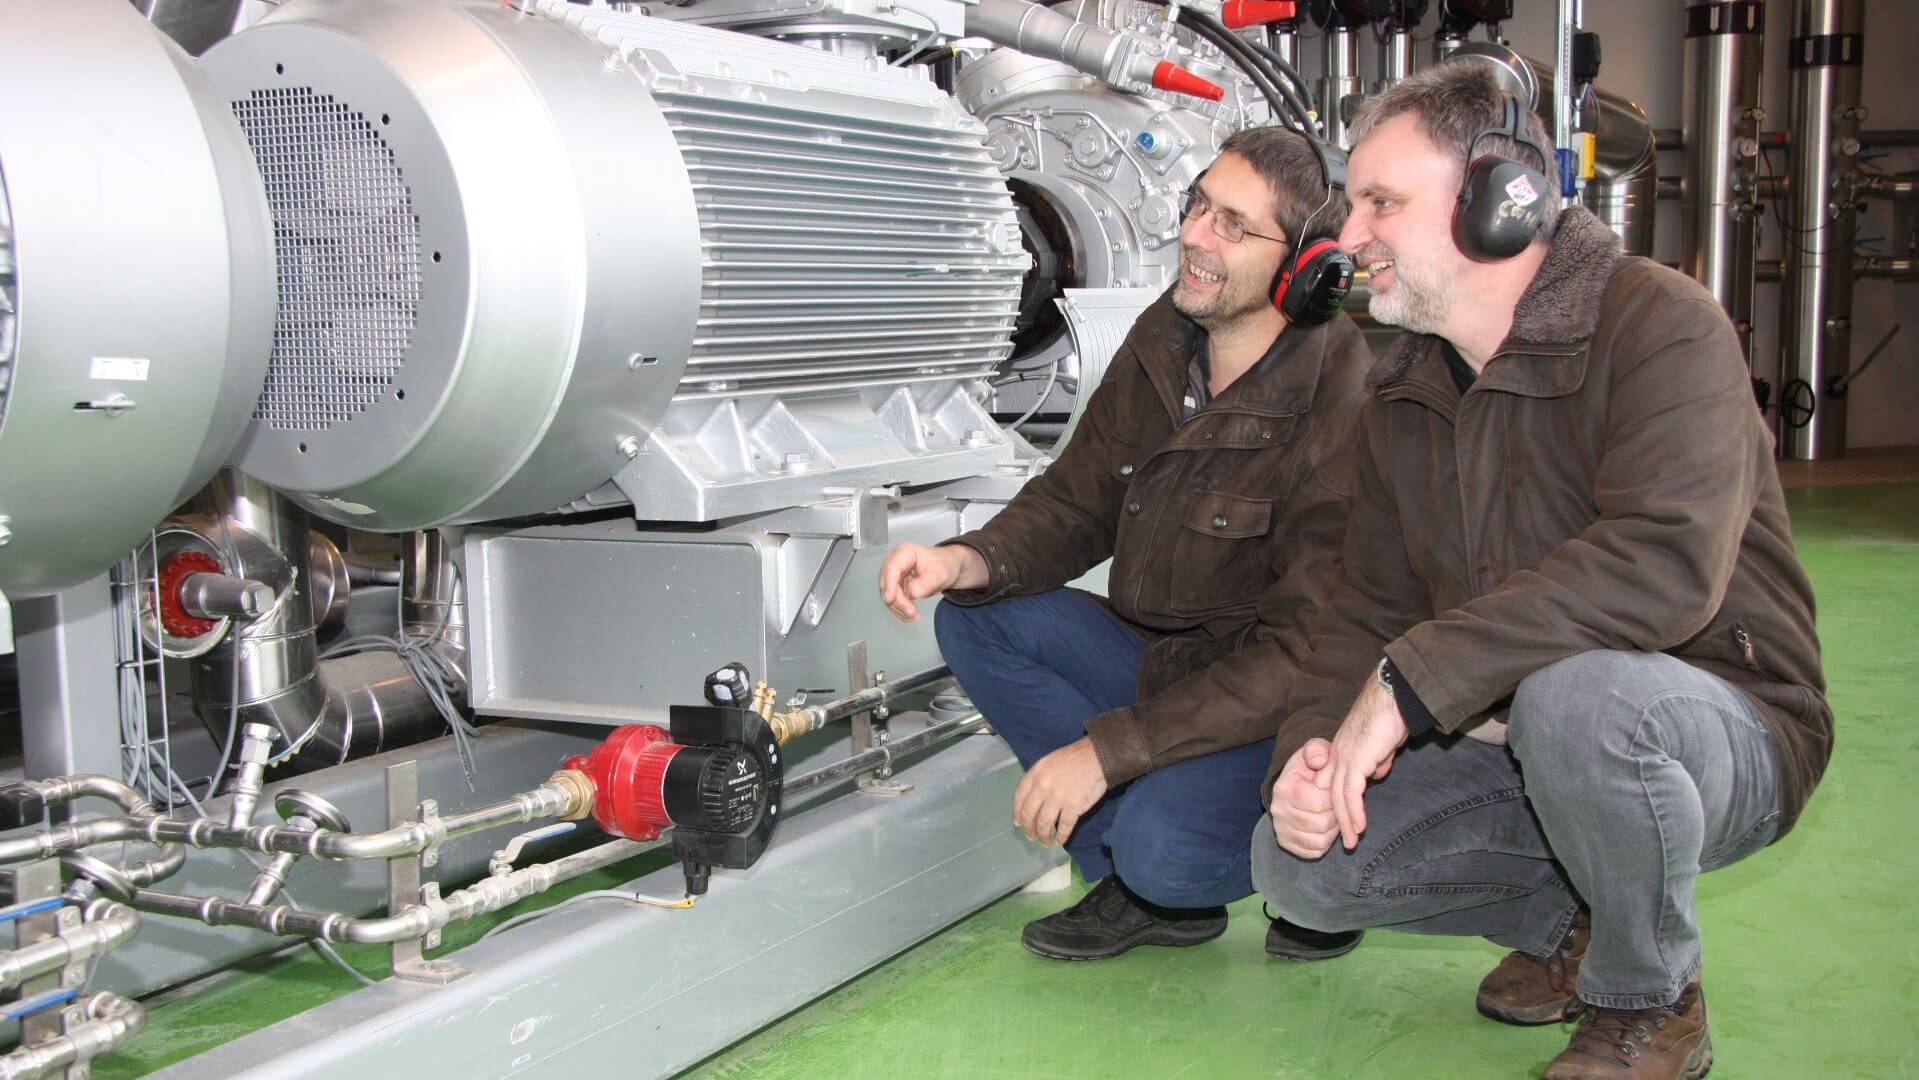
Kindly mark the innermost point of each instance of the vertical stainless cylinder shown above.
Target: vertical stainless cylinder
(1285, 40)
(1823, 58)
(1341, 80)
(1719, 214)
(1395, 56)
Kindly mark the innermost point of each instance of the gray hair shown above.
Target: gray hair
(1454, 102)
(1283, 158)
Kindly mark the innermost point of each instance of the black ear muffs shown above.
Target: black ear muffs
(1502, 203)
(1311, 286)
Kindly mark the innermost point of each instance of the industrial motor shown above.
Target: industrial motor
(526, 250)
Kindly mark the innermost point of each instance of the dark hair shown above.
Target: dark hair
(1282, 157)
(1454, 102)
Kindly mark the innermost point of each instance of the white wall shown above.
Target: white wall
(1642, 43)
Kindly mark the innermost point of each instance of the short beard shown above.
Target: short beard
(1417, 302)
(1227, 305)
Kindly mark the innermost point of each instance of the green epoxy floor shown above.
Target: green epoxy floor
(1812, 947)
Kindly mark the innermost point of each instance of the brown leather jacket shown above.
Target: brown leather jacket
(1606, 483)
(1224, 532)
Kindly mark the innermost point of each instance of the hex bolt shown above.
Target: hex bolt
(629, 446)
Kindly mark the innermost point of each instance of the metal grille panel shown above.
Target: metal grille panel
(9, 299)
(841, 251)
(348, 246)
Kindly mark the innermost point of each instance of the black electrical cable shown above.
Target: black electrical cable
(1298, 85)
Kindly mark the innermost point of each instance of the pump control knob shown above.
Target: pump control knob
(731, 687)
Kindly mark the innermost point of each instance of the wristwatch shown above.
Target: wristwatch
(1384, 674)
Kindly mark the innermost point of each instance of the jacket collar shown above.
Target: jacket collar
(1282, 383)
(1544, 352)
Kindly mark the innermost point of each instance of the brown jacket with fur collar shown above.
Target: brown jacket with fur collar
(1224, 531)
(1605, 483)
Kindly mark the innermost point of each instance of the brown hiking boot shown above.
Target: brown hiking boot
(1629, 1044)
(1527, 989)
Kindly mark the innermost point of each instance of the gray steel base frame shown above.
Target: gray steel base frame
(646, 992)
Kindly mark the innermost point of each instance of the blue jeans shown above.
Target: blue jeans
(1038, 668)
(1628, 775)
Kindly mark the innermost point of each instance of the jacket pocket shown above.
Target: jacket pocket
(1219, 555)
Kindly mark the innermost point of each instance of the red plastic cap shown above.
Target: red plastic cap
(1170, 76)
(1237, 14)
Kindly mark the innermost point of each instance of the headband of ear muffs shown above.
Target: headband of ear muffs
(1310, 286)
(1502, 203)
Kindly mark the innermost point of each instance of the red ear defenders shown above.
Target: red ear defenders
(1502, 203)
(1311, 286)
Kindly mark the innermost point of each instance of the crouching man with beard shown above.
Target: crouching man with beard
(1213, 467)
(1569, 546)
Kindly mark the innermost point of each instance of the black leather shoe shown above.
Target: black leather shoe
(1109, 920)
(1290, 941)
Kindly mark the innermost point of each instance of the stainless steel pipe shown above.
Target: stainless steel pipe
(492, 894)
(1824, 57)
(107, 926)
(111, 1021)
(551, 799)
(1719, 200)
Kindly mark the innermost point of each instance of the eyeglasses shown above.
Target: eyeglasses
(1225, 226)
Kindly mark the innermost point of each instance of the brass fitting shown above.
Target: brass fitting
(580, 793)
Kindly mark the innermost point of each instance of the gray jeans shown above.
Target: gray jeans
(1627, 775)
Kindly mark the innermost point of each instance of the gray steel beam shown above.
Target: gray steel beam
(847, 883)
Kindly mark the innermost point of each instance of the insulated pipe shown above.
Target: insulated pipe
(1824, 58)
(111, 1021)
(108, 926)
(270, 661)
(373, 701)
(1719, 215)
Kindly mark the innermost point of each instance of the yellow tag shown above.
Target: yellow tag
(1588, 150)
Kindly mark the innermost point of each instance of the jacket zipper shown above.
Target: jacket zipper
(1746, 649)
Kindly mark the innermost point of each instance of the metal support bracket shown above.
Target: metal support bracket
(25, 883)
(869, 727)
(403, 888)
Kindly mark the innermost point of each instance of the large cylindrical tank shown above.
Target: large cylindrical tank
(527, 250)
(136, 287)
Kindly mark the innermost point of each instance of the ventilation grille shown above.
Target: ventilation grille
(348, 247)
(9, 299)
(842, 252)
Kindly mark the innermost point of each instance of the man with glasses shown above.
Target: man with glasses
(1213, 466)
